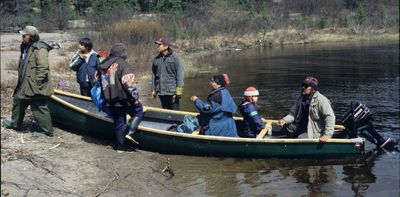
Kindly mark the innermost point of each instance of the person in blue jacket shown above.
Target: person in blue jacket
(85, 62)
(216, 113)
(252, 123)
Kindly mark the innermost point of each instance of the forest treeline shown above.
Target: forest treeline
(201, 24)
(199, 18)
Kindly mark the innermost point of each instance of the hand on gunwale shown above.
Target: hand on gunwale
(193, 98)
(323, 138)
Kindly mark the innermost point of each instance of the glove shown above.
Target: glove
(179, 91)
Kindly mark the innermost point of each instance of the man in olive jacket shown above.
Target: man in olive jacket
(34, 83)
(167, 81)
(312, 113)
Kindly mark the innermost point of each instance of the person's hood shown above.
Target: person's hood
(90, 54)
(39, 45)
(118, 51)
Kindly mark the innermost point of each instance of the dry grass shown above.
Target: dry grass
(7, 89)
(63, 52)
(133, 32)
(137, 35)
(12, 65)
(62, 67)
(62, 73)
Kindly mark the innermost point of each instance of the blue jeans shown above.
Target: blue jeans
(119, 116)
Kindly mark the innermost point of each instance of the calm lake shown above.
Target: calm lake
(366, 72)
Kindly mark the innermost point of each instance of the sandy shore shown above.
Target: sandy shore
(68, 164)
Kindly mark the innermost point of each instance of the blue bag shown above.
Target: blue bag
(190, 124)
(98, 97)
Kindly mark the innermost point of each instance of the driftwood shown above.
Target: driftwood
(53, 147)
(168, 168)
(108, 187)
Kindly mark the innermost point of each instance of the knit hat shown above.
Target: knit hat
(251, 91)
(311, 81)
(31, 30)
(222, 80)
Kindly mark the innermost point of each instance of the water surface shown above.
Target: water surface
(366, 72)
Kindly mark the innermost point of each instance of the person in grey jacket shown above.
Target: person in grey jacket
(312, 113)
(167, 76)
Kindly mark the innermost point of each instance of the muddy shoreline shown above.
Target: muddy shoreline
(68, 164)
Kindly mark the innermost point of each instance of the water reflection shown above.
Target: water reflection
(275, 177)
(367, 72)
(270, 177)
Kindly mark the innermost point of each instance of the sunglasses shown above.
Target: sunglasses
(305, 85)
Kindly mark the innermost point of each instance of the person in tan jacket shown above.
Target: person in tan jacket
(34, 83)
(312, 113)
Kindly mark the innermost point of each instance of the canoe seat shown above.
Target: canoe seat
(263, 132)
(197, 131)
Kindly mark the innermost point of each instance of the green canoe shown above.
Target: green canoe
(78, 113)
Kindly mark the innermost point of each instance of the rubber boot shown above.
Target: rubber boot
(132, 126)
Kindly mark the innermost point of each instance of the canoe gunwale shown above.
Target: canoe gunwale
(78, 109)
(250, 140)
(200, 137)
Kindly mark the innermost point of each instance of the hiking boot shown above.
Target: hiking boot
(38, 134)
(49, 134)
(6, 124)
(42, 133)
(119, 148)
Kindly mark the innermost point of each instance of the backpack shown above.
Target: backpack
(190, 124)
(98, 98)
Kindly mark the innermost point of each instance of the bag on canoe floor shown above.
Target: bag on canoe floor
(190, 124)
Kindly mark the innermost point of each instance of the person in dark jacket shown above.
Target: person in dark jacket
(167, 76)
(216, 113)
(120, 93)
(34, 83)
(85, 63)
(252, 123)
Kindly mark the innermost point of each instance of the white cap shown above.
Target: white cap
(251, 91)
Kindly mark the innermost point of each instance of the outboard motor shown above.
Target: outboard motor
(358, 121)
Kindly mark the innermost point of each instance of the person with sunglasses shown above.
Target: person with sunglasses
(312, 113)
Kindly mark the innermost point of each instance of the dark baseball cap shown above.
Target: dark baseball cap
(311, 81)
(163, 41)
